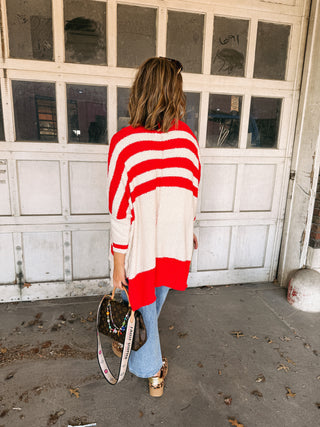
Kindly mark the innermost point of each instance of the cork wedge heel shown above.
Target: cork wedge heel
(156, 384)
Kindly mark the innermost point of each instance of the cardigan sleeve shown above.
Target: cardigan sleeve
(197, 184)
(119, 201)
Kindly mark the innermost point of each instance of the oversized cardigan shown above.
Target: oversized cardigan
(153, 181)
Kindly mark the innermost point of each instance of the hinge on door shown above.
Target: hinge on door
(292, 175)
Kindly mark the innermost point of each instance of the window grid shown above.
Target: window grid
(200, 80)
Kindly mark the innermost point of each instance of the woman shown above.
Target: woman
(153, 180)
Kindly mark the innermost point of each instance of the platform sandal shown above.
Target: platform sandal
(156, 384)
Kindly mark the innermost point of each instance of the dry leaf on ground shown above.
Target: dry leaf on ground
(290, 393)
(257, 394)
(260, 379)
(284, 367)
(46, 344)
(9, 376)
(54, 417)
(171, 327)
(228, 400)
(200, 365)
(290, 361)
(285, 338)
(182, 334)
(75, 392)
(237, 334)
(235, 422)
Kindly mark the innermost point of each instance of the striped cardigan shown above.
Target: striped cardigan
(153, 181)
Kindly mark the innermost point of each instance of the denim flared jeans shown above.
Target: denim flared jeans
(147, 361)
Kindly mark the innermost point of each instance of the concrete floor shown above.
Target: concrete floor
(50, 376)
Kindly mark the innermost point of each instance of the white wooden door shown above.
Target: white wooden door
(66, 70)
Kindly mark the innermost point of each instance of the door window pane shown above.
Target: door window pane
(136, 36)
(271, 51)
(229, 46)
(1, 121)
(223, 121)
(85, 31)
(185, 38)
(192, 111)
(87, 114)
(30, 29)
(123, 101)
(264, 122)
(34, 111)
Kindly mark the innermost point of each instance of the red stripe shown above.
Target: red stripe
(166, 181)
(138, 147)
(115, 245)
(167, 272)
(172, 162)
(122, 211)
(123, 133)
(129, 130)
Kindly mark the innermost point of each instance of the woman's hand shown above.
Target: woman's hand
(195, 242)
(119, 273)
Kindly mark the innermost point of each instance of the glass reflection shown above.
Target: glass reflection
(30, 29)
(185, 38)
(229, 46)
(271, 51)
(136, 34)
(223, 121)
(85, 31)
(87, 114)
(192, 111)
(264, 122)
(35, 111)
(122, 108)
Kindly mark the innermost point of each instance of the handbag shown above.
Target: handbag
(118, 321)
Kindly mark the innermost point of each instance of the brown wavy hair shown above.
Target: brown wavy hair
(157, 100)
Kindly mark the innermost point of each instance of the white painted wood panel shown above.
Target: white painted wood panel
(214, 248)
(5, 205)
(39, 187)
(43, 256)
(251, 246)
(88, 187)
(218, 186)
(257, 187)
(7, 268)
(90, 251)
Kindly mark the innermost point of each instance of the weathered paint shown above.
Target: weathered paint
(306, 159)
(304, 290)
(244, 207)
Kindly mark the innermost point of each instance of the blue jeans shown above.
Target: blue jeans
(147, 361)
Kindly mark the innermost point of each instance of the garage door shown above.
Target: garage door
(66, 70)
